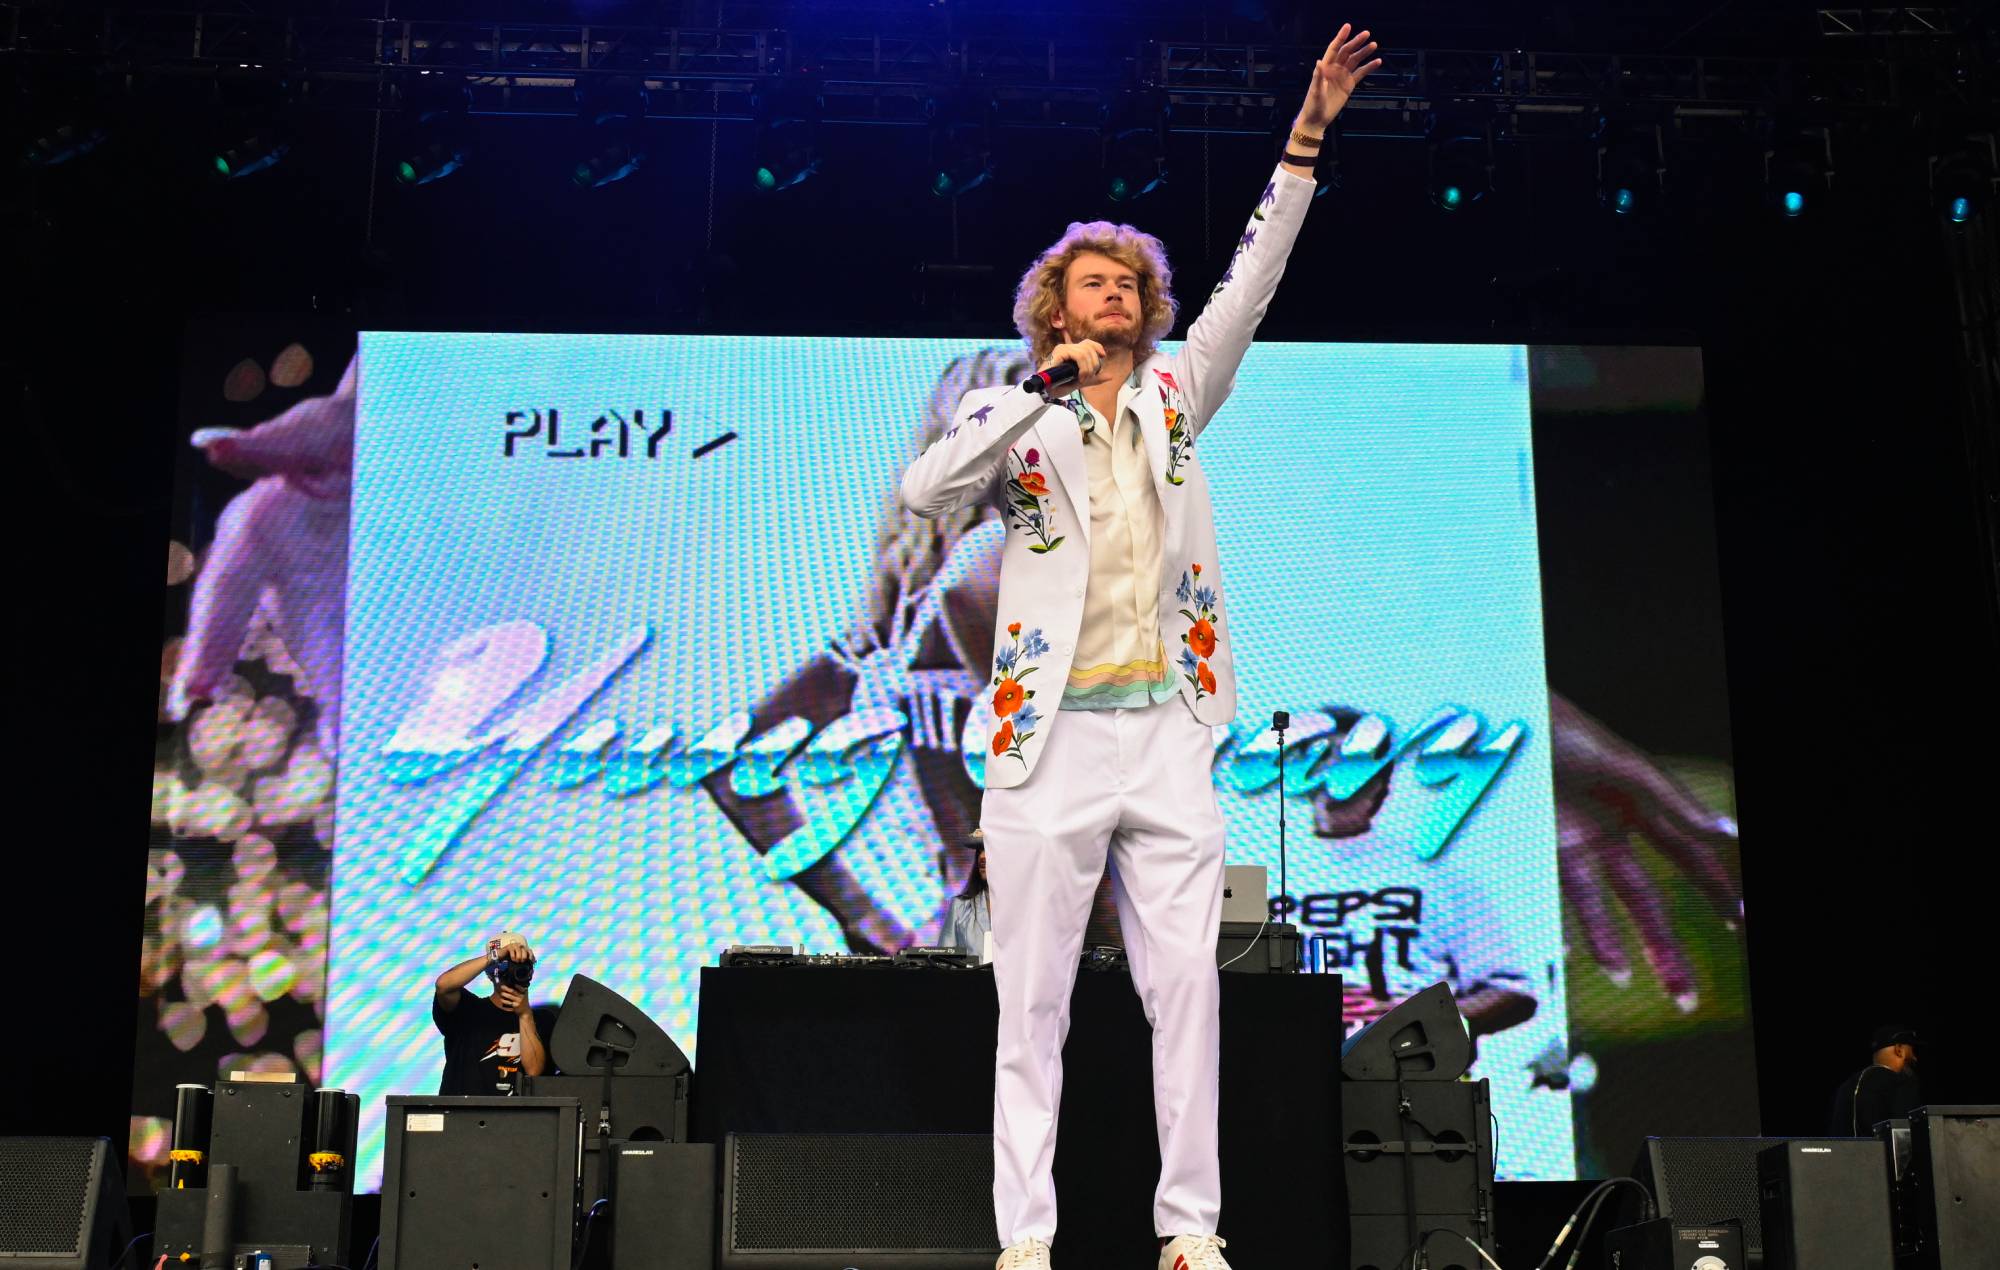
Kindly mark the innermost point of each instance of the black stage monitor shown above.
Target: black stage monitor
(599, 1031)
(1422, 1038)
(1824, 1204)
(1951, 1189)
(485, 1182)
(1704, 1182)
(62, 1204)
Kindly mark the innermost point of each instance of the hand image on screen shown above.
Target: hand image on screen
(280, 549)
(1607, 790)
(920, 648)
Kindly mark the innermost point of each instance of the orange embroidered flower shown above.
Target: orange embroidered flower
(1033, 483)
(1201, 638)
(1173, 418)
(1205, 677)
(1008, 698)
(1014, 629)
(1197, 571)
(1003, 738)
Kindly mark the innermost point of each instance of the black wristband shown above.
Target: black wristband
(1303, 160)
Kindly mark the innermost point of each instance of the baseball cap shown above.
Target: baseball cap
(1893, 1034)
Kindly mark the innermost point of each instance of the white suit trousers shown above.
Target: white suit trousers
(1138, 784)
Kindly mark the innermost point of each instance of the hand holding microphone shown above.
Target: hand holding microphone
(1068, 363)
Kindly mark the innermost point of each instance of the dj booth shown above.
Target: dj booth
(882, 1050)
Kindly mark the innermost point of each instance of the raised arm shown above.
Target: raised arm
(1221, 335)
(959, 465)
(451, 984)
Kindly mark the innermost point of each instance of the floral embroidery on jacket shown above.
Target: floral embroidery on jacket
(1012, 704)
(1269, 196)
(1180, 429)
(1027, 493)
(1200, 641)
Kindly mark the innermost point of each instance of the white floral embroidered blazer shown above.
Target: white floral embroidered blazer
(1019, 439)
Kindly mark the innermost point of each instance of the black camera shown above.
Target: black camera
(505, 972)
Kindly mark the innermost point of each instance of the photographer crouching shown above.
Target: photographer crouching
(490, 1041)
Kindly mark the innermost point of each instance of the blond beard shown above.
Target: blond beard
(1124, 336)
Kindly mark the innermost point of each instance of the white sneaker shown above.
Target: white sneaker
(1193, 1252)
(1030, 1254)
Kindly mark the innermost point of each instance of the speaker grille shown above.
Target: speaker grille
(44, 1192)
(1705, 1180)
(840, 1192)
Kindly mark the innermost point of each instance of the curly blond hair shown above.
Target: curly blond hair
(1040, 296)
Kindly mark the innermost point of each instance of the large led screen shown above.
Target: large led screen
(626, 643)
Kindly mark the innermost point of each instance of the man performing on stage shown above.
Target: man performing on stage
(1111, 604)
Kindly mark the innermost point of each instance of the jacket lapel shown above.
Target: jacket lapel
(1152, 417)
(1057, 433)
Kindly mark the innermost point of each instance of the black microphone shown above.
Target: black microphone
(1060, 375)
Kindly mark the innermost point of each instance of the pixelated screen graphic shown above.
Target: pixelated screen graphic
(626, 644)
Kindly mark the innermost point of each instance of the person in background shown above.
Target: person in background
(1886, 1089)
(972, 908)
(490, 1041)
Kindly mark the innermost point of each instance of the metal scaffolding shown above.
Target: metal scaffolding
(885, 77)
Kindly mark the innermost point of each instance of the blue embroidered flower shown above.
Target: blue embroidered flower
(1249, 236)
(1033, 645)
(1189, 661)
(1182, 591)
(1270, 195)
(1025, 718)
(1006, 658)
(1204, 597)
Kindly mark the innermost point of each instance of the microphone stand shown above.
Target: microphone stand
(1280, 720)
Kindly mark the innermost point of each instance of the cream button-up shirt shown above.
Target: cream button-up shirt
(1119, 658)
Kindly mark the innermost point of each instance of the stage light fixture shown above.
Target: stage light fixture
(1630, 166)
(787, 154)
(1460, 161)
(963, 162)
(62, 143)
(1798, 170)
(614, 116)
(436, 105)
(1963, 178)
(261, 150)
(1135, 163)
(433, 162)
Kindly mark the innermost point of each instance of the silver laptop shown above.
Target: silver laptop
(1243, 898)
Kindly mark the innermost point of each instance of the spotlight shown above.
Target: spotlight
(437, 105)
(963, 162)
(262, 149)
(1963, 180)
(1460, 158)
(1798, 170)
(63, 143)
(1135, 163)
(433, 162)
(614, 114)
(1630, 168)
(787, 154)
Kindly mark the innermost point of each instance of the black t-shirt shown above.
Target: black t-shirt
(1870, 1096)
(482, 1044)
